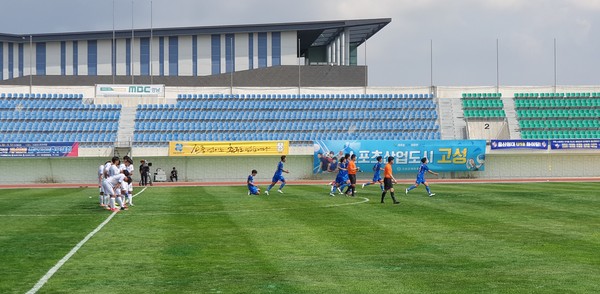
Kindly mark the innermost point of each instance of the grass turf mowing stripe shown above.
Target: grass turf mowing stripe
(66, 258)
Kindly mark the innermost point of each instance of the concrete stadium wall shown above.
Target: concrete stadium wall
(236, 169)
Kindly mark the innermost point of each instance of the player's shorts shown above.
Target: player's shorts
(253, 190)
(352, 178)
(108, 188)
(420, 180)
(377, 178)
(387, 184)
(341, 179)
(278, 179)
(124, 187)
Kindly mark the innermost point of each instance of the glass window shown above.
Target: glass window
(63, 58)
(215, 52)
(75, 58)
(92, 57)
(262, 50)
(40, 59)
(173, 56)
(145, 56)
(250, 51)
(128, 57)
(276, 48)
(229, 53)
(21, 63)
(195, 55)
(11, 60)
(161, 56)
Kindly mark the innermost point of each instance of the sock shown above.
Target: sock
(381, 186)
(332, 189)
(282, 185)
(348, 189)
(342, 187)
(112, 203)
(382, 196)
(411, 187)
(269, 189)
(106, 200)
(393, 198)
(120, 201)
(130, 199)
(101, 198)
(353, 190)
(427, 188)
(366, 184)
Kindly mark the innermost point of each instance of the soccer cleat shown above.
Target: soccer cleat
(396, 202)
(102, 205)
(363, 186)
(124, 208)
(267, 192)
(331, 194)
(406, 191)
(431, 194)
(280, 191)
(248, 193)
(114, 209)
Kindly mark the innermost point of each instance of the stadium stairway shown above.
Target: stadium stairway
(511, 117)
(126, 127)
(452, 123)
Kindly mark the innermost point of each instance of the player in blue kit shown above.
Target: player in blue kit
(377, 168)
(341, 180)
(253, 188)
(421, 177)
(278, 176)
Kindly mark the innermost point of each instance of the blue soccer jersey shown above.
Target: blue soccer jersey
(377, 172)
(250, 181)
(421, 175)
(279, 170)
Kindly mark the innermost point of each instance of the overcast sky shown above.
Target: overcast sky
(463, 32)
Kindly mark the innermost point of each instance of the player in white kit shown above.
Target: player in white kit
(113, 184)
(100, 178)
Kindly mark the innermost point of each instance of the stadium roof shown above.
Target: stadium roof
(311, 34)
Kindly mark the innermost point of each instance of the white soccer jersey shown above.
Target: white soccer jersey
(122, 167)
(116, 179)
(113, 170)
(106, 168)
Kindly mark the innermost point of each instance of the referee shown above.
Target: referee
(352, 169)
(388, 180)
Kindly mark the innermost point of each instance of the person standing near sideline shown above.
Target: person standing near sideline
(352, 169)
(421, 177)
(278, 176)
(388, 180)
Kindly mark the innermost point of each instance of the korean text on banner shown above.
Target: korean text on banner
(62, 149)
(237, 148)
(443, 155)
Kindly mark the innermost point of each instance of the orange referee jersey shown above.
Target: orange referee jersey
(352, 168)
(387, 171)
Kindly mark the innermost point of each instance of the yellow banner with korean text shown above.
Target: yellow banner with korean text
(233, 148)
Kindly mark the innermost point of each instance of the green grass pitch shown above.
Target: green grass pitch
(469, 238)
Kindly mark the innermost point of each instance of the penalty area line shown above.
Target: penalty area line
(66, 258)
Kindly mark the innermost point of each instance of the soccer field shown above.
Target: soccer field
(469, 238)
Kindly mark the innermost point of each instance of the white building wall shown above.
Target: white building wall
(255, 53)
(135, 55)
(69, 58)
(269, 50)
(165, 57)
(241, 52)
(104, 57)
(289, 48)
(4, 60)
(154, 66)
(52, 58)
(15, 60)
(223, 52)
(121, 57)
(185, 56)
(26, 63)
(82, 51)
(204, 66)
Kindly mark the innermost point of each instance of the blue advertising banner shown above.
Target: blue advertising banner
(444, 155)
(575, 144)
(519, 144)
(63, 149)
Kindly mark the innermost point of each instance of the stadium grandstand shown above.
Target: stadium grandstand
(136, 92)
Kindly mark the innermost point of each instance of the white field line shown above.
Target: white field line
(66, 258)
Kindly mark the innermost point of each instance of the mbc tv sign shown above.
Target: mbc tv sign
(129, 90)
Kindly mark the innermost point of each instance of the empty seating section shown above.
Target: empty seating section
(288, 117)
(558, 115)
(56, 118)
(483, 105)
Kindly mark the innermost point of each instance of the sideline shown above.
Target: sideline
(66, 258)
